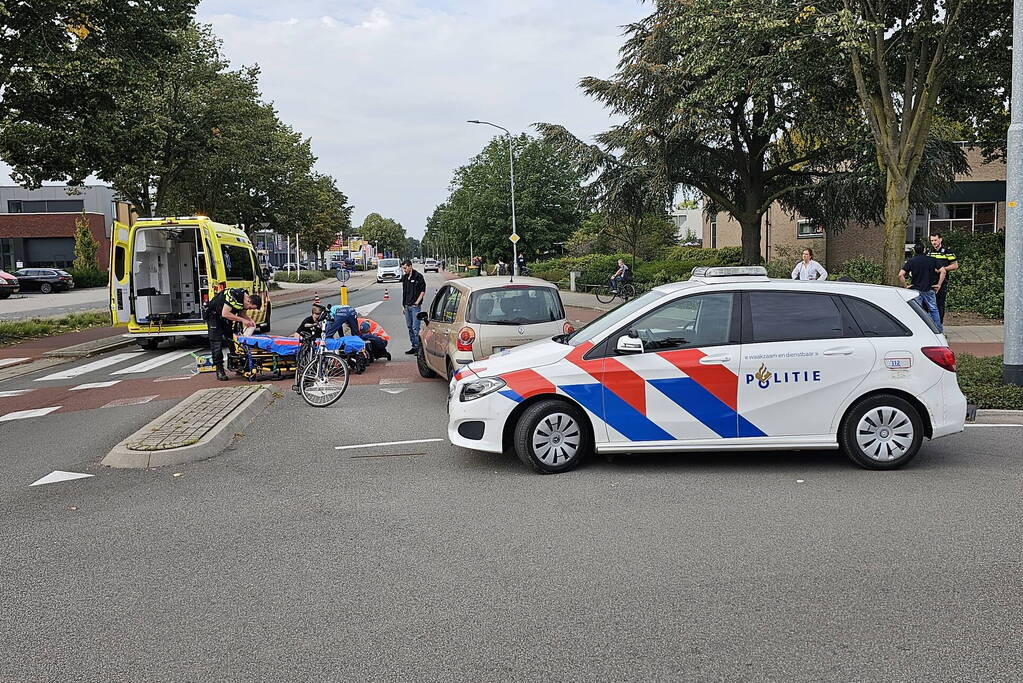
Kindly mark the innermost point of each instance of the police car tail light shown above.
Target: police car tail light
(466, 336)
(941, 355)
(568, 328)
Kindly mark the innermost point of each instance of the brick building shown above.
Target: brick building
(976, 204)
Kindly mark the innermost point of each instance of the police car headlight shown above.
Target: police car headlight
(481, 387)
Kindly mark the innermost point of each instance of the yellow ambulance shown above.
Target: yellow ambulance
(163, 271)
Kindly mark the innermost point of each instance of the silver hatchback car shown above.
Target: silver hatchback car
(472, 318)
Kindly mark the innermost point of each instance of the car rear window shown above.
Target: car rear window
(873, 321)
(515, 305)
(794, 316)
(924, 315)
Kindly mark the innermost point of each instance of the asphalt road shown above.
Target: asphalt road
(288, 559)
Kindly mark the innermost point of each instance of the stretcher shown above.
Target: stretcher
(258, 356)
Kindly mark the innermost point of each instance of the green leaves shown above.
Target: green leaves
(385, 233)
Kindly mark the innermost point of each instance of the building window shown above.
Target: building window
(806, 229)
(714, 233)
(970, 218)
(45, 206)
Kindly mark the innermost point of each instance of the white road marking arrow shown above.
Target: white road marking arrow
(59, 475)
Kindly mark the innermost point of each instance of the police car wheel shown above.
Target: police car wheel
(552, 436)
(881, 432)
(424, 369)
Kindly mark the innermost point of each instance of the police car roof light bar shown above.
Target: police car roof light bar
(728, 271)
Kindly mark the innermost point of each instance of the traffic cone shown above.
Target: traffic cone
(387, 296)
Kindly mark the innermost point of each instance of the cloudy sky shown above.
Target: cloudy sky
(384, 87)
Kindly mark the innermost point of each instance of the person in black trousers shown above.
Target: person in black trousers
(222, 312)
(413, 290)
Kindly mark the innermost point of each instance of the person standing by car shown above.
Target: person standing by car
(413, 289)
(927, 276)
(808, 269)
(946, 259)
(222, 312)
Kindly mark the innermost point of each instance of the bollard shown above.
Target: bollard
(572, 276)
(344, 295)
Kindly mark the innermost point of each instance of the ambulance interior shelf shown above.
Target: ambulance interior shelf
(166, 275)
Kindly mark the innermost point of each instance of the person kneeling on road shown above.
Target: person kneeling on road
(376, 338)
(222, 312)
(342, 315)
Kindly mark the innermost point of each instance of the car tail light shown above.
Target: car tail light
(941, 355)
(466, 336)
(568, 328)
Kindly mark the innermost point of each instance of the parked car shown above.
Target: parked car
(728, 360)
(8, 284)
(473, 318)
(388, 270)
(45, 280)
(430, 264)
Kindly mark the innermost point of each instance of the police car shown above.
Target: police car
(728, 360)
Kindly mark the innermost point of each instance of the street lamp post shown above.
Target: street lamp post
(511, 166)
(1012, 360)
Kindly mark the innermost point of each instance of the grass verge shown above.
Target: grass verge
(14, 331)
(981, 381)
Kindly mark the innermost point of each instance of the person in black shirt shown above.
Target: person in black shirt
(222, 312)
(413, 290)
(927, 275)
(310, 326)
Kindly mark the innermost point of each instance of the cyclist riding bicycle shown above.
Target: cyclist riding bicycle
(623, 274)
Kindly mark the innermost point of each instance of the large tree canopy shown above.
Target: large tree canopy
(548, 201)
(386, 233)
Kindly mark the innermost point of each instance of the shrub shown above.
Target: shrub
(779, 268)
(14, 331)
(860, 269)
(981, 381)
(978, 284)
(89, 277)
(303, 276)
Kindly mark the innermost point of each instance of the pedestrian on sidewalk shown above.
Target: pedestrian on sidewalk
(927, 275)
(808, 269)
(222, 312)
(948, 260)
(413, 290)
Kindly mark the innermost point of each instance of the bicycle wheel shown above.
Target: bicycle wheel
(324, 380)
(628, 291)
(605, 295)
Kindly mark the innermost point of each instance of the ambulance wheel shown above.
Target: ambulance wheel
(424, 369)
(148, 343)
(881, 432)
(552, 436)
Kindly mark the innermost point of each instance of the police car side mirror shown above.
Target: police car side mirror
(629, 344)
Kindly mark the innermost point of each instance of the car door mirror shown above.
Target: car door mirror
(424, 316)
(629, 344)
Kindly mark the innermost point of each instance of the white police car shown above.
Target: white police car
(728, 360)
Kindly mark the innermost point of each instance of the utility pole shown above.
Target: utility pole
(1012, 358)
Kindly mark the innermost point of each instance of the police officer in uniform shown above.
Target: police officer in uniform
(949, 262)
(222, 312)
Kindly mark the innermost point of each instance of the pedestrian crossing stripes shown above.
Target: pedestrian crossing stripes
(23, 414)
(95, 385)
(75, 371)
(153, 363)
(11, 361)
(16, 392)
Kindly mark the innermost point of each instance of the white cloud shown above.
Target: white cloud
(384, 88)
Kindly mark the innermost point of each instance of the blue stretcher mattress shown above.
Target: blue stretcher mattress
(288, 346)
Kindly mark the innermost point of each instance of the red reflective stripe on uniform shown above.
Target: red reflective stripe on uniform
(528, 383)
(624, 382)
(717, 379)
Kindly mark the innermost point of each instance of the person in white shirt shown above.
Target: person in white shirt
(808, 269)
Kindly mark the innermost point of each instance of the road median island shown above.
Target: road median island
(198, 428)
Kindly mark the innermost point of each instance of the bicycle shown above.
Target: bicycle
(625, 291)
(324, 377)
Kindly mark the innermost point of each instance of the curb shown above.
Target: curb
(997, 416)
(210, 445)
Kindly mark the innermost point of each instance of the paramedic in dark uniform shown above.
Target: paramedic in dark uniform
(222, 312)
(948, 261)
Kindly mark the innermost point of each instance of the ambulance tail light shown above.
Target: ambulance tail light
(466, 336)
(942, 356)
(568, 328)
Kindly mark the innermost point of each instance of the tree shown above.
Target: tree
(902, 56)
(549, 201)
(386, 234)
(86, 246)
(65, 66)
(412, 247)
(743, 121)
(330, 214)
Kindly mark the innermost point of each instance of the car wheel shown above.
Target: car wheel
(552, 436)
(4, 295)
(881, 432)
(46, 288)
(449, 369)
(424, 369)
(148, 343)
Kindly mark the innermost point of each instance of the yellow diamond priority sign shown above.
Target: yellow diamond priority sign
(513, 238)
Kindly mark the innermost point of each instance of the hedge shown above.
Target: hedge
(676, 264)
(978, 284)
(303, 276)
(981, 381)
(89, 277)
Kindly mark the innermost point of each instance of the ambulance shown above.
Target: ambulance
(728, 360)
(163, 271)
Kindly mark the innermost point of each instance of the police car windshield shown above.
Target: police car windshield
(612, 318)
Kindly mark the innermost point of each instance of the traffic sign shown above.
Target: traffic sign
(514, 238)
(343, 274)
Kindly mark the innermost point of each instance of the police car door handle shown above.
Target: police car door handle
(715, 360)
(839, 351)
